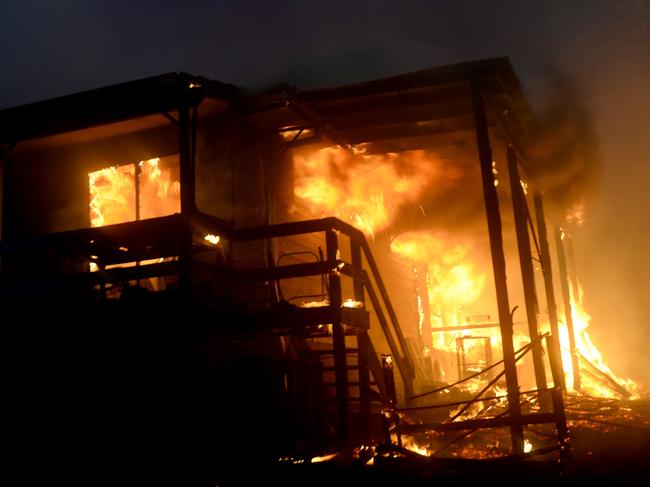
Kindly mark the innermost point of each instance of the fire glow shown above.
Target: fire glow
(366, 190)
(114, 198)
(451, 278)
(588, 352)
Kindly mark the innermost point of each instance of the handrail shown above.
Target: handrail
(207, 223)
(329, 224)
(285, 229)
(389, 306)
(402, 362)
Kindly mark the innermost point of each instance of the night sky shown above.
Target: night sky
(599, 48)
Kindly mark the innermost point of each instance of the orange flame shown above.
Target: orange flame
(587, 349)
(451, 281)
(159, 192)
(113, 193)
(363, 189)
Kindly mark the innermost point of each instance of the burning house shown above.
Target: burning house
(191, 273)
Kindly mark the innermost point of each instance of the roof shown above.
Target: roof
(158, 94)
(422, 103)
(432, 101)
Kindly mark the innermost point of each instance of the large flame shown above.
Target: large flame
(113, 193)
(585, 347)
(452, 283)
(159, 191)
(366, 190)
(451, 279)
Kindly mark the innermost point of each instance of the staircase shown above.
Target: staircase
(336, 378)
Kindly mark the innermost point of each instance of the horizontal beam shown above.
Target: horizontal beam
(285, 271)
(381, 117)
(437, 76)
(419, 129)
(496, 324)
(297, 228)
(472, 424)
(290, 317)
(397, 100)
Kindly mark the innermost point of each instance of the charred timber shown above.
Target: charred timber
(526, 264)
(498, 264)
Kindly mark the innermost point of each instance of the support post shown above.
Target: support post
(560, 421)
(556, 362)
(498, 264)
(338, 342)
(363, 339)
(389, 377)
(136, 182)
(185, 132)
(568, 308)
(422, 291)
(527, 271)
(391, 414)
(187, 128)
(571, 267)
(555, 351)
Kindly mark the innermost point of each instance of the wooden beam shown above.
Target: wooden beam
(498, 264)
(568, 307)
(527, 271)
(338, 343)
(523, 419)
(555, 351)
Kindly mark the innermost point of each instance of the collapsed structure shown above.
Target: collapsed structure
(192, 272)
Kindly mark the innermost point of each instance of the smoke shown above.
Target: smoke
(609, 67)
(564, 152)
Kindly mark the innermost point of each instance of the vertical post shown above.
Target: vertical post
(185, 131)
(338, 342)
(389, 377)
(560, 421)
(568, 308)
(136, 182)
(498, 264)
(423, 297)
(555, 354)
(460, 358)
(527, 271)
(556, 362)
(571, 267)
(488, 357)
(362, 345)
(187, 128)
(356, 261)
